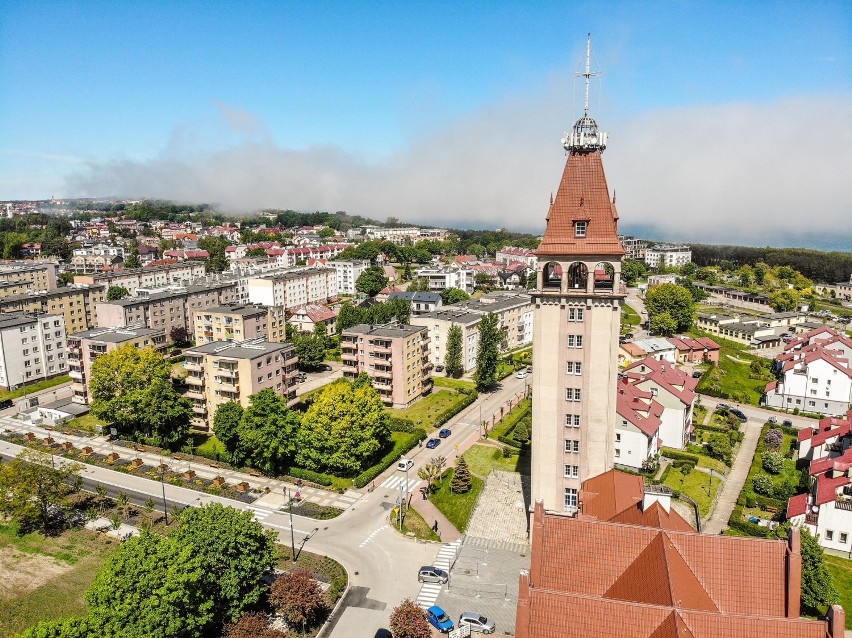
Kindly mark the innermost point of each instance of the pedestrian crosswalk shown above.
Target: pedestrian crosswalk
(259, 513)
(393, 483)
(444, 560)
(373, 535)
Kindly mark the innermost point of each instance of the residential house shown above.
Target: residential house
(701, 350)
(439, 278)
(510, 254)
(32, 348)
(665, 256)
(306, 318)
(637, 426)
(421, 302)
(658, 348)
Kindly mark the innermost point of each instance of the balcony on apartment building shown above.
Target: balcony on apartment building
(97, 349)
(193, 363)
(194, 392)
(384, 372)
(199, 407)
(380, 346)
(76, 374)
(291, 360)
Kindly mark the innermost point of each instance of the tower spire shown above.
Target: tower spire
(588, 74)
(585, 136)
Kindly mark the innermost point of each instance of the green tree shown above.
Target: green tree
(674, 299)
(486, 354)
(267, 432)
(133, 260)
(408, 620)
(226, 426)
(461, 482)
(719, 447)
(131, 390)
(33, 487)
(218, 261)
(772, 462)
(818, 590)
(114, 293)
(663, 324)
(521, 433)
(453, 358)
(343, 429)
(371, 281)
(71, 628)
(298, 598)
(310, 350)
(152, 586)
(784, 300)
(179, 336)
(256, 252)
(419, 284)
(632, 271)
(432, 471)
(453, 295)
(762, 484)
(532, 280)
(237, 554)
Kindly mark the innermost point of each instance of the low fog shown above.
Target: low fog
(743, 172)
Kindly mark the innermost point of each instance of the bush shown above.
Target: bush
(762, 484)
(521, 433)
(751, 500)
(308, 475)
(783, 491)
(651, 465)
(398, 424)
(719, 447)
(669, 453)
(768, 502)
(773, 439)
(772, 462)
(398, 450)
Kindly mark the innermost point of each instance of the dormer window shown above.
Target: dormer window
(580, 229)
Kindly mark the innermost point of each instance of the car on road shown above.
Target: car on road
(773, 419)
(324, 366)
(302, 377)
(433, 443)
(438, 618)
(404, 464)
(439, 368)
(739, 414)
(445, 432)
(432, 574)
(697, 374)
(788, 423)
(477, 622)
(521, 375)
(383, 633)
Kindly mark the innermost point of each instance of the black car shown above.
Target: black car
(739, 414)
(433, 443)
(697, 374)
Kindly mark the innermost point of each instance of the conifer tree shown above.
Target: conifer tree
(461, 477)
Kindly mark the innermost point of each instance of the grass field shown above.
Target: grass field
(699, 413)
(86, 423)
(44, 578)
(841, 574)
(413, 523)
(732, 377)
(481, 459)
(455, 384)
(456, 507)
(34, 387)
(425, 411)
(629, 319)
(695, 486)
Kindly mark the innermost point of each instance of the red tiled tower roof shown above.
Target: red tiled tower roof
(583, 195)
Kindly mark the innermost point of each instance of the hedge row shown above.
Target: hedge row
(398, 424)
(401, 447)
(309, 475)
(677, 454)
(508, 440)
(469, 397)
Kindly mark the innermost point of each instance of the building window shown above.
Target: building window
(579, 229)
(570, 498)
(572, 445)
(843, 537)
(575, 314)
(572, 394)
(618, 437)
(572, 471)
(829, 534)
(572, 420)
(575, 341)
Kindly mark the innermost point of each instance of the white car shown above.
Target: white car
(521, 375)
(404, 464)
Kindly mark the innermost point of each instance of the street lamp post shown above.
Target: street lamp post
(163, 485)
(292, 533)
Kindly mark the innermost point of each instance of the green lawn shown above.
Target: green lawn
(695, 486)
(841, 574)
(788, 473)
(455, 384)
(208, 445)
(86, 423)
(34, 387)
(413, 523)
(699, 413)
(732, 377)
(424, 411)
(456, 507)
(481, 459)
(75, 557)
(629, 317)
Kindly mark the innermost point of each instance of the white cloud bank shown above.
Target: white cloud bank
(745, 172)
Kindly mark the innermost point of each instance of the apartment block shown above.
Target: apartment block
(32, 348)
(84, 347)
(514, 312)
(75, 303)
(668, 256)
(439, 278)
(294, 287)
(167, 310)
(348, 273)
(395, 356)
(148, 277)
(41, 274)
(633, 248)
(438, 325)
(223, 371)
(238, 322)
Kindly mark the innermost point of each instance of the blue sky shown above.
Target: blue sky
(92, 93)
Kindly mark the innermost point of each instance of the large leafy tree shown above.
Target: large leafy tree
(486, 355)
(298, 598)
(674, 300)
(71, 628)
(310, 350)
(132, 391)
(226, 426)
(236, 552)
(453, 359)
(218, 261)
(267, 432)
(33, 486)
(343, 429)
(408, 620)
(453, 295)
(114, 293)
(784, 300)
(371, 281)
(662, 324)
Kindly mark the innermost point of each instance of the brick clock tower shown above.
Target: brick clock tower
(577, 315)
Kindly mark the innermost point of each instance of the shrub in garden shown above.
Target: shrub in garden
(719, 447)
(408, 620)
(297, 598)
(773, 439)
(762, 484)
(772, 462)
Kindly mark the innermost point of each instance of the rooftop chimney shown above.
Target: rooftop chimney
(794, 572)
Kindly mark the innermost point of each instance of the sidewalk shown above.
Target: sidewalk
(101, 446)
(727, 499)
(430, 513)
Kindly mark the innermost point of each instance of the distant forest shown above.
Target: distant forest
(821, 266)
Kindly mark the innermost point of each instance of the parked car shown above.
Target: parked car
(477, 622)
(788, 423)
(383, 633)
(438, 618)
(697, 374)
(433, 443)
(739, 414)
(521, 375)
(324, 366)
(431, 574)
(404, 464)
(439, 368)
(445, 432)
(773, 419)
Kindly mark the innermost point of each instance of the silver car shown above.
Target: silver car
(477, 622)
(431, 574)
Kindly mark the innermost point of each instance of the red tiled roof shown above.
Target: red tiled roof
(638, 408)
(665, 375)
(797, 505)
(826, 463)
(633, 349)
(827, 488)
(583, 195)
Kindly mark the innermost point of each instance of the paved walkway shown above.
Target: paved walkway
(276, 487)
(727, 499)
(501, 513)
(446, 530)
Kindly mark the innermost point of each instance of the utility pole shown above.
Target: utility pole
(292, 533)
(163, 485)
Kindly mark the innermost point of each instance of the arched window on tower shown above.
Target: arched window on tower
(552, 275)
(577, 276)
(604, 276)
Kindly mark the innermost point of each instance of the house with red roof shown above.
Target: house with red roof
(701, 350)
(626, 565)
(637, 425)
(308, 316)
(674, 389)
(826, 511)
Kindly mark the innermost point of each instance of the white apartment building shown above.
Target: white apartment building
(294, 287)
(182, 274)
(668, 256)
(440, 278)
(103, 250)
(32, 348)
(439, 323)
(398, 236)
(637, 425)
(348, 273)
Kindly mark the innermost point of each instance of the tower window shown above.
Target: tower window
(572, 445)
(579, 229)
(575, 314)
(572, 420)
